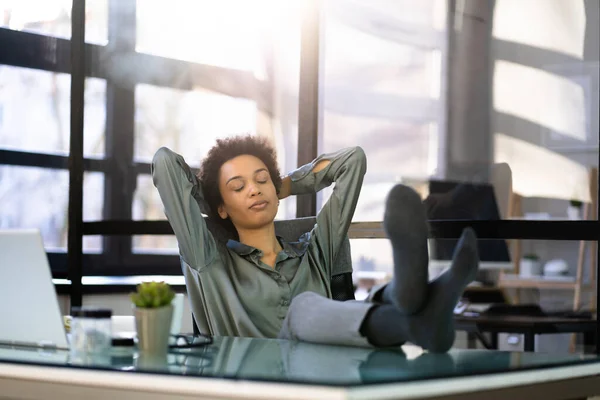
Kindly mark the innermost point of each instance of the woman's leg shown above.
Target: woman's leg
(433, 327)
(317, 319)
(314, 318)
(405, 223)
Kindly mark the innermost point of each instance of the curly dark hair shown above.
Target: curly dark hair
(225, 150)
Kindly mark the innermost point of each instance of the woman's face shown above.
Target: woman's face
(249, 195)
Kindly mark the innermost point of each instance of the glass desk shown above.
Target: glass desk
(272, 368)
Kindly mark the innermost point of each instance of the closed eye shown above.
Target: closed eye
(262, 176)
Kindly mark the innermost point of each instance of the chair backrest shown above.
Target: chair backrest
(501, 181)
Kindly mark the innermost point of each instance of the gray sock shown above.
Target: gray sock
(436, 323)
(405, 222)
(433, 327)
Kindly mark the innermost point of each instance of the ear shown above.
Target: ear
(221, 211)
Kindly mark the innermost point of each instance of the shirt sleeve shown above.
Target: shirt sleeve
(184, 203)
(347, 168)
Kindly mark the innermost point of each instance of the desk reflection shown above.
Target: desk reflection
(244, 358)
(280, 360)
(287, 361)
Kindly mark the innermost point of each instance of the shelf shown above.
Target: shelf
(483, 265)
(517, 282)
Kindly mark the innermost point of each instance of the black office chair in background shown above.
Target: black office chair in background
(290, 230)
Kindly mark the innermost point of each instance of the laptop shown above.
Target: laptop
(450, 200)
(29, 308)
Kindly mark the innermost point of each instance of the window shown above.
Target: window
(188, 122)
(238, 67)
(390, 102)
(215, 69)
(232, 34)
(53, 18)
(37, 198)
(546, 103)
(23, 90)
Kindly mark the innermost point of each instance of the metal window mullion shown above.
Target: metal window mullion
(120, 112)
(598, 259)
(40, 160)
(308, 104)
(75, 214)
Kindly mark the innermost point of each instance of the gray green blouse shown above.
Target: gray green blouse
(231, 292)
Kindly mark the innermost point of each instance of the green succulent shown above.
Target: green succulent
(152, 295)
(576, 203)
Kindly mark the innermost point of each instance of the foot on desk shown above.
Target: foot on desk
(435, 326)
(405, 223)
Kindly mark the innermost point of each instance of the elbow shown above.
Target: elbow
(160, 162)
(359, 159)
(161, 155)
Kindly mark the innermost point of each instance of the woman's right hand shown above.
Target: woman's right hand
(286, 188)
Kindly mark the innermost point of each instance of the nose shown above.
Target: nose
(253, 190)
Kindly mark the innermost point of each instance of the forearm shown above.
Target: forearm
(183, 201)
(346, 168)
(286, 182)
(327, 169)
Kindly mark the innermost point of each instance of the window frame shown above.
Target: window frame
(118, 166)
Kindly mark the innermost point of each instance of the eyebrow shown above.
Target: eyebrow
(240, 177)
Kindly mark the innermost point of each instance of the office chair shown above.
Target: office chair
(290, 230)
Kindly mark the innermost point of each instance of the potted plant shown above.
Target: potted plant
(153, 314)
(530, 265)
(574, 209)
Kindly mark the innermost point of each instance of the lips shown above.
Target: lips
(259, 205)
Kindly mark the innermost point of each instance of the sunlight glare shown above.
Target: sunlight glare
(556, 25)
(549, 100)
(228, 33)
(539, 172)
(25, 11)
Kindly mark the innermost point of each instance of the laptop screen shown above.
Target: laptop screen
(450, 200)
(29, 308)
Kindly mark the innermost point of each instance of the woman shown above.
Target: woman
(258, 285)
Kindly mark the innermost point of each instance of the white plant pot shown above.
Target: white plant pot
(153, 326)
(573, 213)
(530, 268)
